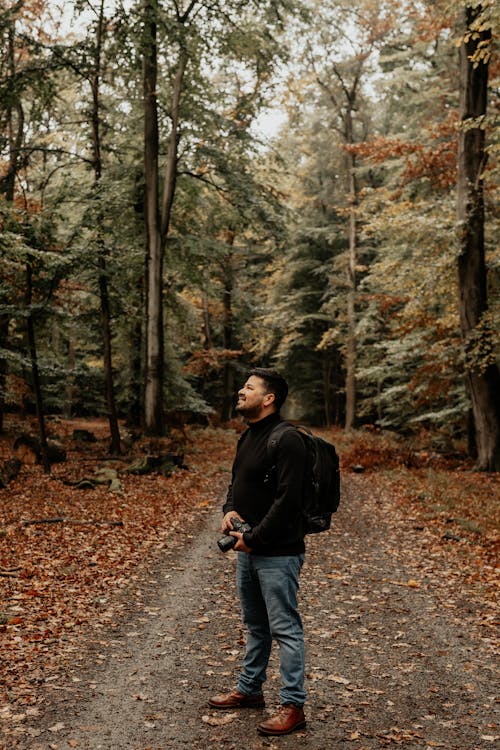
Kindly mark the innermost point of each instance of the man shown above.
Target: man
(271, 555)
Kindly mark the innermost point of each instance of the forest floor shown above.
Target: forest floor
(118, 622)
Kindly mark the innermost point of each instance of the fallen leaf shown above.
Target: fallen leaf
(337, 678)
(57, 727)
(218, 721)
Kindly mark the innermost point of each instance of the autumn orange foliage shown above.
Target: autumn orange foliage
(432, 158)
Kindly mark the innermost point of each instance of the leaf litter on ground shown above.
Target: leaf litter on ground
(69, 577)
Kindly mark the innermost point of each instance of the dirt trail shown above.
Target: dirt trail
(394, 656)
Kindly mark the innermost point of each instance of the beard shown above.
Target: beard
(247, 411)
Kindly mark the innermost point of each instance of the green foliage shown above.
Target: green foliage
(410, 366)
(256, 267)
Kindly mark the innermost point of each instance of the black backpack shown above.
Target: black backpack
(322, 480)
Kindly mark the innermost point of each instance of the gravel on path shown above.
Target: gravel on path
(395, 655)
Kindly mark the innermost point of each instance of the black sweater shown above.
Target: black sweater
(272, 507)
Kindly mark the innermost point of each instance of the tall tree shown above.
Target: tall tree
(201, 35)
(158, 213)
(343, 38)
(21, 76)
(483, 375)
(12, 136)
(95, 86)
(408, 365)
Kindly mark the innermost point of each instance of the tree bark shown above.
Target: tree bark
(227, 301)
(207, 331)
(15, 128)
(70, 382)
(327, 401)
(345, 110)
(4, 332)
(157, 218)
(15, 131)
(350, 384)
(35, 373)
(101, 246)
(153, 395)
(483, 380)
(135, 400)
(173, 146)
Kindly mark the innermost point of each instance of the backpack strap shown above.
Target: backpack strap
(277, 432)
(275, 436)
(272, 447)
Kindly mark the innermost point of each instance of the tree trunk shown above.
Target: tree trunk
(207, 331)
(107, 353)
(70, 382)
(344, 103)
(4, 332)
(135, 400)
(483, 381)
(15, 131)
(157, 222)
(173, 146)
(227, 301)
(350, 384)
(153, 395)
(327, 401)
(35, 374)
(15, 124)
(101, 246)
(228, 372)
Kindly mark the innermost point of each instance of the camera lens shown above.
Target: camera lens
(226, 543)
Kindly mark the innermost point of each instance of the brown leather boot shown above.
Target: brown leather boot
(235, 699)
(288, 719)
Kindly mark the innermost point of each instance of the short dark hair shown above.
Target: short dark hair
(275, 383)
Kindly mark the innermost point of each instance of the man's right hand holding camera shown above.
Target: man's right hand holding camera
(233, 527)
(227, 524)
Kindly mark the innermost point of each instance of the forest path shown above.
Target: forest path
(396, 655)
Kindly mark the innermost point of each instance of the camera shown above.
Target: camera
(228, 542)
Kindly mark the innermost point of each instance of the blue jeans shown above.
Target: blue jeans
(267, 587)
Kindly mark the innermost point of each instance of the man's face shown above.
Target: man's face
(253, 398)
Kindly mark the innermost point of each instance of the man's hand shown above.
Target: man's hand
(240, 545)
(227, 526)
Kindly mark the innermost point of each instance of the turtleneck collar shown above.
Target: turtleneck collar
(271, 419)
